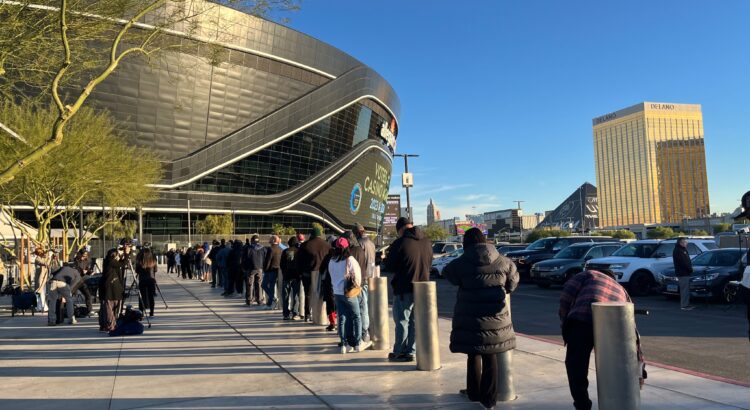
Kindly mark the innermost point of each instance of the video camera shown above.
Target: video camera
(744, 207)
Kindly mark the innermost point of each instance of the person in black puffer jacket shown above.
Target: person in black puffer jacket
(481, 321)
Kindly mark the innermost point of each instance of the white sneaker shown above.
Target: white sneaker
(344, 350)
(363, 346)
(72, 321)
(351, 349)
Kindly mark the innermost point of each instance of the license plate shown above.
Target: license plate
(671, 288)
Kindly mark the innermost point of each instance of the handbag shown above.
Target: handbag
(351, 289)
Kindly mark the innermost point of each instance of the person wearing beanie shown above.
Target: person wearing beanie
(481, 326)
(254, 260)
(271, 267)
(309, 259)
(410, 260)
(346, 276)
(291, 281)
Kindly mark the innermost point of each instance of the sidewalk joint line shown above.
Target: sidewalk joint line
(117, 368)
(301, 383)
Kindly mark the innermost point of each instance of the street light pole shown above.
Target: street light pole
(188, 221)
(406, 171)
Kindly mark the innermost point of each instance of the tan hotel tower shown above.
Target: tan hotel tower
(650, 164)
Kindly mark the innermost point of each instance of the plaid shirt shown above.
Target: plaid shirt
(586, 288)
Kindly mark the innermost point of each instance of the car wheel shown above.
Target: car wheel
(641, 283)
(730, 294)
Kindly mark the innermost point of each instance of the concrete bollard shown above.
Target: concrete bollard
(506, 390)
(616, 356)
(426, 325)
(317, 304)
(379, 318)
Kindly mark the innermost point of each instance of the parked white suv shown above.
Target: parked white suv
(639, 265)
(439, 263)
(440, 249)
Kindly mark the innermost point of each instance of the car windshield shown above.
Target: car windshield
(639, 250)
(541, 244)
(438, 248)
(572, 252)
(664, 250)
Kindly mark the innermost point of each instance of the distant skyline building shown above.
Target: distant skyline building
(650, 164)
(433, 213)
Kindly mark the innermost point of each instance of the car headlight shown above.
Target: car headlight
(706, 278)
(619, 265)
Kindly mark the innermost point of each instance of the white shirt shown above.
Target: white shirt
(746, 278)
(341, 270)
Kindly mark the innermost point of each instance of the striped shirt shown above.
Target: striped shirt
(586, 288)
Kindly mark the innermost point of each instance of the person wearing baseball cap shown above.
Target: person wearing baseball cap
(410, 260)
(346, 278)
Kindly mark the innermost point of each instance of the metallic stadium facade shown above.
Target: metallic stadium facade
(285, 130)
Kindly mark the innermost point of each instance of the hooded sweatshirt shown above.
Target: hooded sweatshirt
(311, 254)
(481, 320)
(410, 260)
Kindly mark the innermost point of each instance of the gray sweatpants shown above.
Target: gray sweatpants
(684, 291)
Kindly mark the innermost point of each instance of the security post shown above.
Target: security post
(379, 330)
(506, 391)
(426, 325)
(317, 304)
(617, 372)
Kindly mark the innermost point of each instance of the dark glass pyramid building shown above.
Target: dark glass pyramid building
(579, 212)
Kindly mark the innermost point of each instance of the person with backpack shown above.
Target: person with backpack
(291, 281)
(481, 325)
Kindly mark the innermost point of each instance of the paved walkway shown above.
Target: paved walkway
(209, 352)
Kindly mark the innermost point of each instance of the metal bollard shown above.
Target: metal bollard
(317, 304)
(616, 357)
(426, 326)
(506, 391)
(379, 319)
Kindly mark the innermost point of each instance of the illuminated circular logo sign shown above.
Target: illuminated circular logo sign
(355, 199)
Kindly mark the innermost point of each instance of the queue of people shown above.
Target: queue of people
(481, 326)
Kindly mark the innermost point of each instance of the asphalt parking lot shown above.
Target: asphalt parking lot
(710, 340)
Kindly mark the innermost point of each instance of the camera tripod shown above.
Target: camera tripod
(134, 284)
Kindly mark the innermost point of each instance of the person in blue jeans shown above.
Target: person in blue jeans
(346, 277)
(410, 259)
(271, 266)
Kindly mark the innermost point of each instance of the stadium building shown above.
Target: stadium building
(285, 130)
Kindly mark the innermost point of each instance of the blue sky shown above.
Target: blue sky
(497, 96)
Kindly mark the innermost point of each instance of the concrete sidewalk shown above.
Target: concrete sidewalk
(210, 352)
